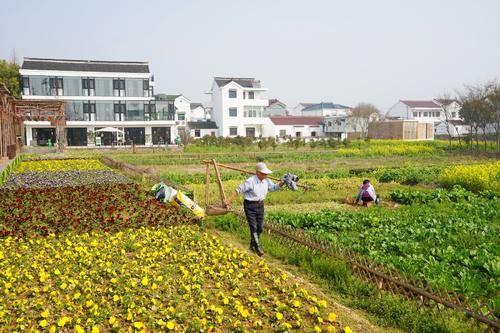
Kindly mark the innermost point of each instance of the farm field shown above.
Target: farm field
(102, 257)
(446, 237)
(438, 221)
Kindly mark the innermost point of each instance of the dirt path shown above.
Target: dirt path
(355, 319)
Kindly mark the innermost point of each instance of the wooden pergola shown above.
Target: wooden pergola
(12, 114)
(36, 110)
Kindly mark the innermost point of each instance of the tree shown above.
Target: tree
(9, 75)
(446, 103)
(362, 115)
(493, 104)
(475, 111)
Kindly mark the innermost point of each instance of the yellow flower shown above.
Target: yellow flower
(347, 329)
(78, 329)
(43, 323)
(63, 321)
(112, 320)
(45, 314)
(145, 281)
(170, 325)
(279, 315)
(138, 325)
(317, 329)
(95, 329)
(53, 329)
(332, 317)
(116, 298)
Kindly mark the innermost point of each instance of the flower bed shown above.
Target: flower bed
(60, 165)
(49, 179)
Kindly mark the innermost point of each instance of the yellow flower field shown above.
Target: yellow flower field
(146, 280)
(59, 165)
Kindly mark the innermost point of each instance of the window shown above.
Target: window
(56, 86)
(171, 111)
(88, 87)
(438, 114)
(233, 131)
(119, 87)
(232, 93)
(181, 116)
(313, 133)
(26, 85)
(250, 132)
(89, 113)
(244, 95)
(425, 114)
(420, 114)
(298, 134)
(453, 114)
(282, 133)
(148, 91)
(149, 112)
(250, 95)
(329, 123)
(119, 109)
(197, 133)
(415, 114)
(233, 112)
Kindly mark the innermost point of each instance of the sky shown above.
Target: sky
(345, 52)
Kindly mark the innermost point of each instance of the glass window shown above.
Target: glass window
(118, 87)
(233, 112)
(104, 110)
(282, 133)
(453, 114)
(103, 87)
(119, 111)
(181, 116)
(233, 131)
(26, 85)
(438, 114)
(250, 95)
(56, 86)
(149, 112)
(197, 133)
(72, 86)
(425, 114)
(134, 87)
(415, 114)
(313, 133)
(88, 87)
(74, 110)
(89, 111)
(135, 111)
(147, 91)
(232, 93)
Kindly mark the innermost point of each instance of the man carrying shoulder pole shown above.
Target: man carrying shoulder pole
(254, 191)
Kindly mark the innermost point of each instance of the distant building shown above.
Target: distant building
(200, 128)
(198, 112)
(297, 110)
(297, 127)
(97, 94)
(237, 106)
(325, 109)
(275, 108)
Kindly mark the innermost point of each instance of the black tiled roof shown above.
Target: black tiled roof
(202, 124)
(244, 82)
(85, 65)
(195, 105)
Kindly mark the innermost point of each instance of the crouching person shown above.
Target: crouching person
(366, 194)
(254, 191)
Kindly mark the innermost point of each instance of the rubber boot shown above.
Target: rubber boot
(257, 249)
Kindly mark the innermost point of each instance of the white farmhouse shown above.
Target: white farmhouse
(198, 112)
(297, 127)
(238, 107)
(324, 109)
(423, 110)
(276, 108)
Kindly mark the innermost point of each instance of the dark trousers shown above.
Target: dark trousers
(254, 211)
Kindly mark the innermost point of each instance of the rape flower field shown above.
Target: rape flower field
(105, 258)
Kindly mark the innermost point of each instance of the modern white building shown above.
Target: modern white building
(200, 128)
(97, 94)
(297, 127)
(325, 109)
(237, 106)
(297, 110)
(198, 112)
